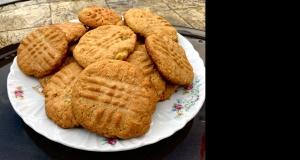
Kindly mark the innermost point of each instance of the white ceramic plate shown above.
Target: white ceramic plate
(169, 117)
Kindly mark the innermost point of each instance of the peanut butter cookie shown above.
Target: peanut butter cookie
(114, 98)
(104, 42)
(170, 59)
(141, 59)
(73, 30)
(95, 16)
(42, 51)
(58, 96)
(145, 23)
(44, 80)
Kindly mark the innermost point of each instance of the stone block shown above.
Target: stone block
(25, 17)
(194, 16)
(12, 37)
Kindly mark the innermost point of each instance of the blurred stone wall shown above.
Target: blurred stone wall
(20, 18)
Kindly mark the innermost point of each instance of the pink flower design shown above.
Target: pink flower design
(190, 87)
(19, 92)
(178, 106)
(184, 104)
(112, 141)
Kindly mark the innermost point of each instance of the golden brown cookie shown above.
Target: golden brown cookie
(141, 47)
(145, 23)
(158, 82)
(141, 59)
(120, 23)
(58, 96)
(42, 51)
(44, 80)
(170, 59)
(170, 89)
(73, 30)
(114, 98)
(104, 42)
(95, 16)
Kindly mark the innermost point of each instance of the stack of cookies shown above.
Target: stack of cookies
(106, 74)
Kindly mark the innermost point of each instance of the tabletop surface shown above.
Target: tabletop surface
(19, 141)
(19, 18)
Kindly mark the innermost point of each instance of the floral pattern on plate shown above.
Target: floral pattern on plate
(19, 92)
(111, 141)
(184, 104)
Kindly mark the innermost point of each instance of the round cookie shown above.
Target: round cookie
(58, 96)
(170, 59)
(73, 30)
(141, 59)
(145, 23)
(120, 23)
(95, 16)
(104, 42)
(114, 98)
(42, 51)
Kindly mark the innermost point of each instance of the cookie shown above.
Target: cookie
(170, 59)
(58, 96)
(73, 30)
(104, 42)
(42, 51)
(141, 59)
(114, 98)
(44, 80)
(120, 23)
(158, 82)
(145, 23)
(95, 16)
(170, 89)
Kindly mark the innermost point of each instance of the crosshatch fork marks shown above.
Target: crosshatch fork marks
(107, 91)
(114, 98)
(168, 50)
(105, 42)
(41, 47)
(42, 51)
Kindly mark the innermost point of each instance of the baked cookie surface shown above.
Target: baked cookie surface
(114, 98)
(170, 59)
(141, 59)
(73, 30)
(105, 42)
(95, 16)
(145, 23)
(58, 96)
(170, 89)
(68, 59)
(42, 51)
